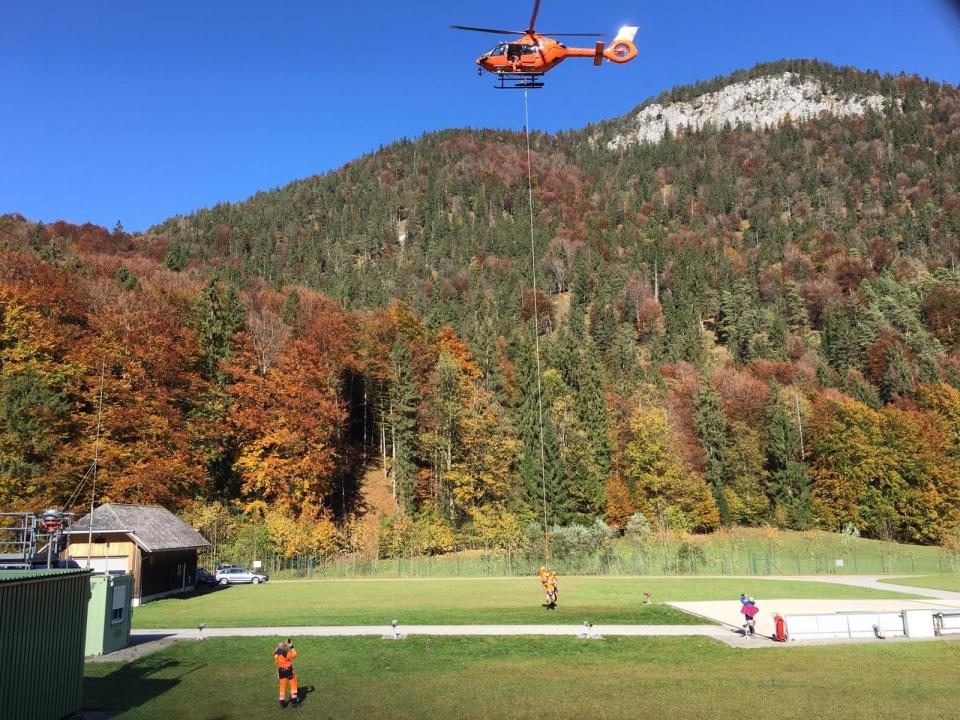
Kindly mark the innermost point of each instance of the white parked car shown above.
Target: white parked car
(235, 576)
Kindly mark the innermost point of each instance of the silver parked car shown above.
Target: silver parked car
(235, 575)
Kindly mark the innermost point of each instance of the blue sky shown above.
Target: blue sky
(139, 110)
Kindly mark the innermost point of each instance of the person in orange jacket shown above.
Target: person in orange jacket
(553, 589)
(548, 579)
(284, 656)
(545, 581)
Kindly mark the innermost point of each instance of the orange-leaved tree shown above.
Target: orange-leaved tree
(286, 420)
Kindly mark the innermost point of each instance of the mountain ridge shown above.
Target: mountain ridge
(699, 299)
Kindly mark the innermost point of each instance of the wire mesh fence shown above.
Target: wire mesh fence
(652, 561)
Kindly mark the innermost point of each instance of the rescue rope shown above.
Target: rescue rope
(536, 328)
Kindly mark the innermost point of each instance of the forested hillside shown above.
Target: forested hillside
(738, 325)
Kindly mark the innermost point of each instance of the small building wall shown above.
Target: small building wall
(155, 575)
(43, 617)
(167, 573)
(109, 614)
(113, 546)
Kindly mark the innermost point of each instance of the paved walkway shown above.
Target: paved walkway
(873, 582)
(378, 630)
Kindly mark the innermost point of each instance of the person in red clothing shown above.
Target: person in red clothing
(284, 656)
(749, 610)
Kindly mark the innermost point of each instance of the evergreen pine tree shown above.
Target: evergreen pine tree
(37, 235)
(712, 430)
(177, 257)
(838, 342)
(291, 307)
(603, 324)
(581, 288)
(861, 390)
(777, 339)
(898, 377)
(403, 399)
(527, 420)
(794, 308)
(790, 487)
(592, 407)
(561, 504)
(217, 316)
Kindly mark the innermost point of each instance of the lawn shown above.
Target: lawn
(937, 582)
(556, 678)
(468, 601)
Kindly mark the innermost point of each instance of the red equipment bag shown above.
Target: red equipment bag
(780, 629)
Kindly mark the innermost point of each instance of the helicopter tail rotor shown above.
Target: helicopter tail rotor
(622, 49)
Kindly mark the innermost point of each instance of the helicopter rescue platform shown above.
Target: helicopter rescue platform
(522, 63)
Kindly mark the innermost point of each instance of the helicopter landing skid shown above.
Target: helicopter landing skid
(519, 82)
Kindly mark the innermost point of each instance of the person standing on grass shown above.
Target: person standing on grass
(749, 610)
(284, 656)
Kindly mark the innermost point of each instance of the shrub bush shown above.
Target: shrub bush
(571, 541)
(406, 536)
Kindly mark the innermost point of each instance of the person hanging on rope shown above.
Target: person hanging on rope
(545, 581)
(553, 590)
(548, 579)
(544, 577)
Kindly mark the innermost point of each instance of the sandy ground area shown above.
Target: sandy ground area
(728, 612)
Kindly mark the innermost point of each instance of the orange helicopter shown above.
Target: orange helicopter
(522, 63)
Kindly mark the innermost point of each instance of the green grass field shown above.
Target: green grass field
(937, 582)
(554, 678)
(468, 601)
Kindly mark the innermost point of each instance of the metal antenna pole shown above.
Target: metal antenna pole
(96, 458)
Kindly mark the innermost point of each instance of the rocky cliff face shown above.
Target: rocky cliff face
(758, 103)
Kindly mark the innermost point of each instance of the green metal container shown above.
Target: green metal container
(43, 619)
(109, 613)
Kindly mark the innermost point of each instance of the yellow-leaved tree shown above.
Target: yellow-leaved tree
(658, 481)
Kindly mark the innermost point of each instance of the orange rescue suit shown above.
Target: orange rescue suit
(285, 672)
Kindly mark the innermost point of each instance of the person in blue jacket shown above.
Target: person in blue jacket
(749, 610)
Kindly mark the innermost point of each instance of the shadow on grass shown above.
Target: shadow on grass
(197, 592)
(134, 684)
(142, 639)
(304, 691)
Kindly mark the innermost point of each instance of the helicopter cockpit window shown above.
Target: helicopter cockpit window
(513, 49)
(519, 49)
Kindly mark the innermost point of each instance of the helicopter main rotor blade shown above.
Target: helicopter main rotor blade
(533, 18)
(489, 30)
(553, 34)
